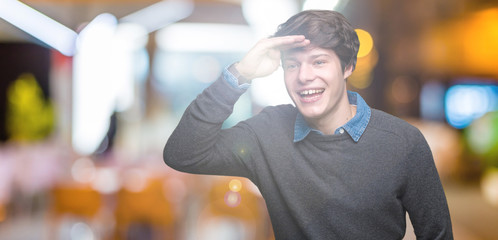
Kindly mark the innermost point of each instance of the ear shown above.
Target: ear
(348, 71)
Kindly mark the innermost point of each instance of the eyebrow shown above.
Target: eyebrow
(292, 58)
(319, 55)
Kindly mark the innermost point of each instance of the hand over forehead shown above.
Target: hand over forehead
(287, 42)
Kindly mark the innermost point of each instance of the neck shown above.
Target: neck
(340, 117)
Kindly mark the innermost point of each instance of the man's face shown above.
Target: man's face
(315, 81)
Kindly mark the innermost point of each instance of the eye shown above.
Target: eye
(319, 62)
(290, 66)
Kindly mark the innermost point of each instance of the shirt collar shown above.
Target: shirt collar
(354, 127)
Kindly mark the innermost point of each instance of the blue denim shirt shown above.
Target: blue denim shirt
(232, 80)
(354, 127)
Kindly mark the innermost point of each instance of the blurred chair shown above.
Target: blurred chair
(73, 204)
(144, 214)
(229, 214)
(77, 200)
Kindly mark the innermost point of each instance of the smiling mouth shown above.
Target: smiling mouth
(311, 95)
(311, 92)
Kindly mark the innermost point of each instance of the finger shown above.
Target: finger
(301, 44)
(286, 41)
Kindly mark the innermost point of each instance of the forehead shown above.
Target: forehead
(305, 52)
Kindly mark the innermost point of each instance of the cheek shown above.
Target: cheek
(290, 87)
(288, 81)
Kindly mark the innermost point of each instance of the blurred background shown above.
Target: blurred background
(90, 91)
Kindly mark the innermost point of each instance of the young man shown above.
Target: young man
(329, 167)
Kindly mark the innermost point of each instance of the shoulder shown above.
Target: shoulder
(385, 123)
(273, 118)
(284, 110)
(279, 113)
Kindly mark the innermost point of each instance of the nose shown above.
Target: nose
(306, 73)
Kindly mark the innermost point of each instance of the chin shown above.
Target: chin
(310, 113)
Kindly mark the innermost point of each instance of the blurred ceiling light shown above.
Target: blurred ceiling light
(205, 37)
(265, 16)
(94, 90)
(320, 4)
(39, 26)
(129, 39)
(160, 14)
(102, 26)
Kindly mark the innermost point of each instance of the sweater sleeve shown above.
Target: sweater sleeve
(424, 197)
(199, 145)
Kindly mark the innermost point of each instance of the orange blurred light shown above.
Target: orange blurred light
(362, 75)
(235, 185)
(466, 46)
(480, 41)
(3, 213)
(366, 42)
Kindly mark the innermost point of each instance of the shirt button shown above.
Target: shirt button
(341, 131)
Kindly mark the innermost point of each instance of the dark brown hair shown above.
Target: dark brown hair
(325, 29)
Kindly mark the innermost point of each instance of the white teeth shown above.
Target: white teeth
(312, 91)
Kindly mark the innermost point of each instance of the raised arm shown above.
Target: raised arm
(198, 145)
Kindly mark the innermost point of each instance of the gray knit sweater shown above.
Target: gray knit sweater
(325, 186)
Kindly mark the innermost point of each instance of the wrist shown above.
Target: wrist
(240, 78)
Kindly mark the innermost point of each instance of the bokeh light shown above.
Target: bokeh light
(466, 102)
(362, 75)
(432, 101)
(232, 199)
(366, 42)
(81, 231)
(489, 186)
(186, 57)
(106, 180)
(367, 59)
(404, 89)
(134, 180)
(83, 170)
(482, 137)
(235, 185)
(206, 69)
